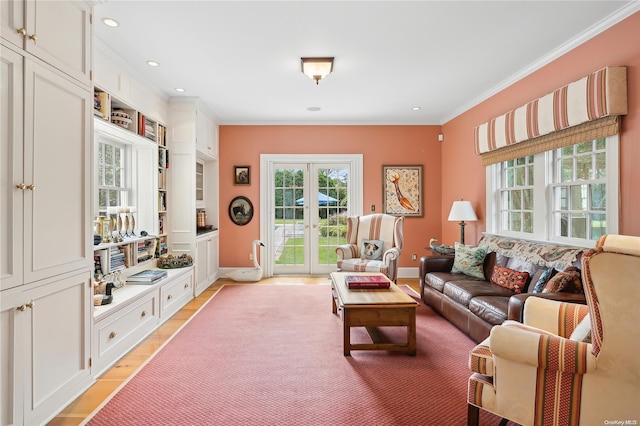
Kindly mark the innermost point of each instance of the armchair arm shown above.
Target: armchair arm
(517, 301)
(347, 251)
(541, 350)
(559, 318)
(390, 255)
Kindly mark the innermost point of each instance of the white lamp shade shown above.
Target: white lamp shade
(462, 211)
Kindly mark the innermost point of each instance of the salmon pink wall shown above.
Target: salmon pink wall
(465, 175)
(380, 145)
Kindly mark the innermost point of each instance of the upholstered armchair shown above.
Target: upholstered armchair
(373, 230)
(568, 364)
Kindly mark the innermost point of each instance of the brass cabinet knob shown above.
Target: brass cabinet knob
(143, 314)
(186, 285)
(31, 187)
(22, 31)
(33, 37)
(30, 305)
(21, 186)
(112, 334)
(169, 297)
(21, 308)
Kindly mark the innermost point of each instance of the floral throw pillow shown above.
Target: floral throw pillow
(567, 281)
(508, 278)
(469, 260)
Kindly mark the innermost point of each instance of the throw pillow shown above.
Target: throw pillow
(515, 281)
(371, 249)
(542, 281)
(582, 332)
(567, 281)
(469, 260)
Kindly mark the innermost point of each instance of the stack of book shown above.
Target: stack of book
(356, 282)
(117, 259)
(150, 276)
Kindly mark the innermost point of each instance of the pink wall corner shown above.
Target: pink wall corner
(380, 145)
(463, 173)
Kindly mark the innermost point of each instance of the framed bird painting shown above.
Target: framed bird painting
(402, 190)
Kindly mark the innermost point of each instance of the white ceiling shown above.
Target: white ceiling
(242, 58)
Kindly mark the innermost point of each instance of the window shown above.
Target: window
(568, 195)
(111, 176)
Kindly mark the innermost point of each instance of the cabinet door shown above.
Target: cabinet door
(11, 197)
(13, 325)
(203, 132)
(57, 153)
(62, 32)
(214, 262)
(201, 269)
(12, 21)
(58, 345)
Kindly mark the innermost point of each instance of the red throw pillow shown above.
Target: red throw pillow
(515, 281)
(566, 281)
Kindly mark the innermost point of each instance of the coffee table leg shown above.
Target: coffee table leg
(411, 333)
(346, 331)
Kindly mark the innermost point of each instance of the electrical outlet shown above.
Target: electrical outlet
(414, 256)
(373, 207)
(250, 256)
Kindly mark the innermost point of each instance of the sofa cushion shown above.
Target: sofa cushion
(492, 309)
(469, 260)
(464, 290)
(515, 281)
(436, 280)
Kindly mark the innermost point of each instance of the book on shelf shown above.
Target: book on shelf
(148, 276)
(366, 281)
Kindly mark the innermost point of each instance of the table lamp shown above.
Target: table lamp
(460, 211)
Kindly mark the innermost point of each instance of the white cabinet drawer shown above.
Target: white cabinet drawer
(121, 331)
(175, 294)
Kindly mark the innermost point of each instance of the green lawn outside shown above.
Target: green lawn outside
(293, 252)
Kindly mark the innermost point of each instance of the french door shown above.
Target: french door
(306, 202)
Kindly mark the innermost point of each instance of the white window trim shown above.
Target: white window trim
(543, 195)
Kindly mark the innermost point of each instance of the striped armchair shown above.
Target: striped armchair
(547, 372)
(383, 227)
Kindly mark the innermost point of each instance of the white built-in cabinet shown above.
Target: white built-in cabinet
(57, 32)
(45, 226)
(194, 165)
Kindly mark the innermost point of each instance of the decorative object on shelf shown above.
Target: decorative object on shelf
(440, 248)
(402, 190)
(97, 239)
(121, 118)
(462, 210)
(240, 210)
(173, 262)
(106, 298)
(250, 274)
(201, 218)
(316, 68)
(241, 175)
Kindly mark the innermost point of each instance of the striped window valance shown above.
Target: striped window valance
(583, 110)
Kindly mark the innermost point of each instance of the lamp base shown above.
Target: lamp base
(462, 232)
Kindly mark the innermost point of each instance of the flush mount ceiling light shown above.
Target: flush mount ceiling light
(317, 68)
(153, 63)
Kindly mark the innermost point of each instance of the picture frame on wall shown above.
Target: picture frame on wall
(242, 175)
(402, 190)
(241, 210)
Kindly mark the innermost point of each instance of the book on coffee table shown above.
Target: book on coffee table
(366, 281)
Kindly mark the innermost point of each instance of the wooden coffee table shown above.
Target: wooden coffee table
(371, 309)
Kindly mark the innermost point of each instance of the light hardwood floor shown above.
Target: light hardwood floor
(79, 409)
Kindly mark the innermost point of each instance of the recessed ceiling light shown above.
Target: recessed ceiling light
(416, 108)
(314, 109)
(109, 22)
(153, 63)
(179, 89)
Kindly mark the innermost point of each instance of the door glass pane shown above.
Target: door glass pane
(288, 232)
(332, 208)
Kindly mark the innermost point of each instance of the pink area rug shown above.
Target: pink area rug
(272, 355)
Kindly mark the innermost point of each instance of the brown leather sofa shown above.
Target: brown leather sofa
(475, 305)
